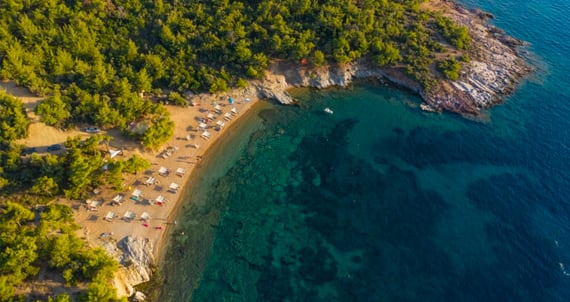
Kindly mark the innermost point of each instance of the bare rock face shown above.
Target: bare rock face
(494, 71)
(273, 87)
(284, 75)
(319, 77)
(137, 264)
(137, 252)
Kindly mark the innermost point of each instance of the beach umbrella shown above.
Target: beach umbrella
(231, 100)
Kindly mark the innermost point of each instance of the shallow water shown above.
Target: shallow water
(383, 202)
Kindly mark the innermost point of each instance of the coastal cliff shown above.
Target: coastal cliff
(495, 69)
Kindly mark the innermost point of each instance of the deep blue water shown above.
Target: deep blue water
(383, 202)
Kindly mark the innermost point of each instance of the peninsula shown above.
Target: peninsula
(122, 100)
(494, 68)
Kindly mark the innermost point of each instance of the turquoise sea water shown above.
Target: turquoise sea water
(383, 202)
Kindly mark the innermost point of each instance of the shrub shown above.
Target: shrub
(14, 122)
(450, 68)
(177, 99)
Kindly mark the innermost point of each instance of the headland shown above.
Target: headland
(495, 68)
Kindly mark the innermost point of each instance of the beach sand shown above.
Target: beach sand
(189, 149)
(97, 230)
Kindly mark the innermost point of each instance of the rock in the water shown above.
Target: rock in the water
(482, 14)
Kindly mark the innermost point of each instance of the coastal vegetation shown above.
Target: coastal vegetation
(13, 120)
(48, 242)
(112, 64)
(96, 59)
(450, 68)
(37, 234)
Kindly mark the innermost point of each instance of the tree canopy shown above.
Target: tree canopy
(26, 245)
(14, 122)
(95, 57)
(35, 233)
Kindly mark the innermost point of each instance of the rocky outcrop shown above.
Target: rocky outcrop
(273, 87)
(496, 67)
(137, 264)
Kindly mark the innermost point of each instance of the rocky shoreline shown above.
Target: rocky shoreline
(494, 71)
(496, 66)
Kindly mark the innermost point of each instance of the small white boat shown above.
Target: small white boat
(328, 110)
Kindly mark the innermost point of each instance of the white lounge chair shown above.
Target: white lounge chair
(94, 204)
(150, 181)
(228, 116)
(211, 116)
(118, 198)
(180, 171)
(234, 111)
(220, 124)
(206, 135)
(218, 109)
(110, 215)
(173, 188)
(136, 195)
(163, 171)
(145, 216)
(160, 200)
(129, 216)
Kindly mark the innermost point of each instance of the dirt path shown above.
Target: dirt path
(40, 135)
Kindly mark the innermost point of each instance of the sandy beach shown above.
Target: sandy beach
(103, 218)
(152, 214)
